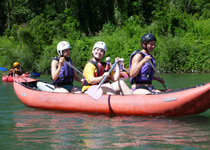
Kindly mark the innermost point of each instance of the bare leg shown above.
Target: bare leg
(76, 90)
(141, 92)
(121, 86)
(60, 90)
(156, 90)
(108, 89)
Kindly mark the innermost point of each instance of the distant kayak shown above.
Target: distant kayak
(181, 102)
(7, 78)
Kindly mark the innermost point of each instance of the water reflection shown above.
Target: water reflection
(74, 130)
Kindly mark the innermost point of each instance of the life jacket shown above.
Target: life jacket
(121, 67)
(100, 67)
(107, 66)
(66, 75)
(18, 71)
(146, 74)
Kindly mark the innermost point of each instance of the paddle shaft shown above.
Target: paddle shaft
(74, 68)
(102, 81)
(157, 74)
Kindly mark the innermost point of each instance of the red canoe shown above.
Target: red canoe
(6, 78)
(181, 102)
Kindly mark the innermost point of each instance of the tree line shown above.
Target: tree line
(31, 29)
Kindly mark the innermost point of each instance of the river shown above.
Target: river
(23, 128)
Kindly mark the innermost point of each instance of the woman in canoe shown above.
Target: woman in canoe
(123, 72)
(141, 72)
(63, 75)
(122, 66)
(108, 64)
(94, 72)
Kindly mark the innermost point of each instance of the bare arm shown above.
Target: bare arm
(116, 76)
(89, 71)
(96, 80)
(55, 68)
(123, 66)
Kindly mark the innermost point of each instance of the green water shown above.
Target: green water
(23, 128)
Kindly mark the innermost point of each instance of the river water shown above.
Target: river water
(23, 128)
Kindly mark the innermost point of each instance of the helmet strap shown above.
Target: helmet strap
(145, 46)
(67, 59)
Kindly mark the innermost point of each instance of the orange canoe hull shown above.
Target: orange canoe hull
(181, 102)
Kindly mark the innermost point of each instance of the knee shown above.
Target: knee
(61, 90)
(141, 92)
(121, 82)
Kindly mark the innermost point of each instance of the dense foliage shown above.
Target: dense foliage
(31, 29)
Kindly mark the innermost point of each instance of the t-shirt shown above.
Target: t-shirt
(89, 71)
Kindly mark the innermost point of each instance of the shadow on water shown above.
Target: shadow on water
(195, 120)
(75, 130)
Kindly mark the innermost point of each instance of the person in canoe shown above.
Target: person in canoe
(123, 72)
(141, 71)
(16, 70)
(122, 66)
(63, 75)
(108, 64)
(94, 72)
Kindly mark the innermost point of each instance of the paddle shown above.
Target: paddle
(36, 74)
(158, 75)
(95, 91)
(73, 67)
(3, 69)
(33, 73)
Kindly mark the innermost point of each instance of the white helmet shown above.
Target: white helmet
(101, 45)
(62, 46)
(122, 59)
(108, 59)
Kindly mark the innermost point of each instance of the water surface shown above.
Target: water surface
(25, 128)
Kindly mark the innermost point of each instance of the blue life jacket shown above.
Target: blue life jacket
(146, 74)
(107, 62)
(121, 67)
(66, 75)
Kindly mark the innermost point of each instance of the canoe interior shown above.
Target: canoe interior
(33, 86)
